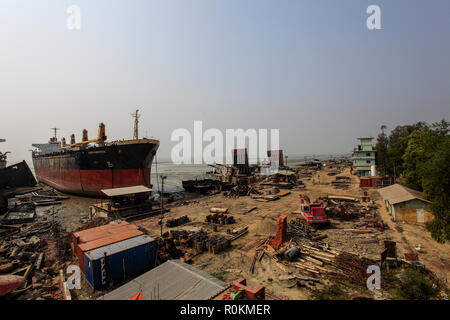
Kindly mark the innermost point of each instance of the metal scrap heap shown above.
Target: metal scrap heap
(346, 208)
(178, 243)
(33, 253)
(220, 218)
(354, 268)
(298, 229)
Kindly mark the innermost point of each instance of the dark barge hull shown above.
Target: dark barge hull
(87, 171)
(202, 186)
(16, 176)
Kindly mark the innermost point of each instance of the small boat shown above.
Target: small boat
(201, 186)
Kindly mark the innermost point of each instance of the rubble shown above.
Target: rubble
(178, 243)
(171, 223)
(33, 250)
(220, 218)
(299, 229)
(346, 208)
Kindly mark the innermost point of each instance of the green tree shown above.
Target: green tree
(398, 142)
(426, 160)
(381, 148)
(421, 153)
(436, 186)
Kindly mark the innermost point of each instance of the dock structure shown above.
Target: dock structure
(125, 202)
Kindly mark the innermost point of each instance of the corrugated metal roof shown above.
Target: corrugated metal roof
(102, 231)
(104, 241)
(175, 280)
(118, 247)
(125, 191)
(397, 193)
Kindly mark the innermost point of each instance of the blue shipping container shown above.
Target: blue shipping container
(117, 261)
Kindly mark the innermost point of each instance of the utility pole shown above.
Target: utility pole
(162, 202)
(136, 117)
(286, 161)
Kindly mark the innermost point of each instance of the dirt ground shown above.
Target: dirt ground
(235, 262)
(70, 213)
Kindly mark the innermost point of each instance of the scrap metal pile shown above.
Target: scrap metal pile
(299, 229)
(176, 243)
(346, 208)
(220, 218)
(353, 268)
(171, 223)
(300, 248)
(241, 191)
(31, 256)
(22, 207)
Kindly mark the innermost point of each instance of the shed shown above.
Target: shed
(101, 236)
(117, 261)
(124, 202)
(172, 280)
(405, 204)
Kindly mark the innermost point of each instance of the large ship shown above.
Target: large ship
(87, 167)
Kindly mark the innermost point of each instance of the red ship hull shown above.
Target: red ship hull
(87, 171)
(90, 182)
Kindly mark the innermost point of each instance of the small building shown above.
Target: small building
(124, 202)
(172, 280)
(405, 204)
(363, 157)
(118, 261)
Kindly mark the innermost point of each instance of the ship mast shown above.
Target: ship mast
(136, 117)
(54, 139)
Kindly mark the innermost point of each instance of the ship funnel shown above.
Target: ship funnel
(72, 139)
(101, 133)
(63, 142)
(85, 135)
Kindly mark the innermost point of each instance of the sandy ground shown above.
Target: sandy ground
(236, 261)
(70, 213)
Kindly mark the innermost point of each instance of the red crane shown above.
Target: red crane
(313, 213)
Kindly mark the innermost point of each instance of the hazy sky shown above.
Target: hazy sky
(310, 68)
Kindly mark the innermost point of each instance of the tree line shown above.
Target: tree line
(419, 155)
